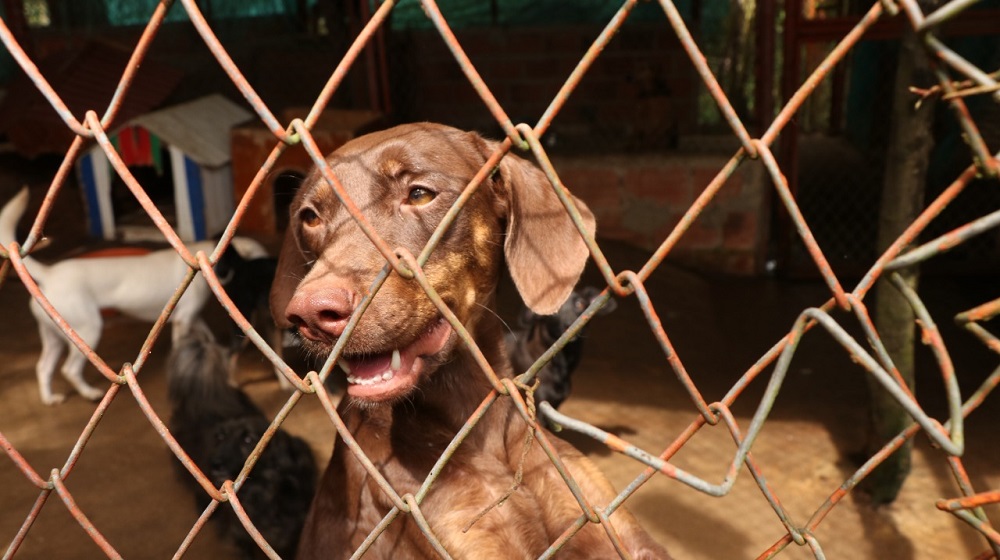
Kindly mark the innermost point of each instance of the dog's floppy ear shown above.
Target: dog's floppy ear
(544, 250)
(292, 267)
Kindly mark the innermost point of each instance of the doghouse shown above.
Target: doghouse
(252, 143)
(181, 151)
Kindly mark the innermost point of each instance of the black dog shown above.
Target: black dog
(248, 283)
(536, 333)
(218, 426)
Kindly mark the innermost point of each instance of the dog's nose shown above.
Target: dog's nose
(321, 315)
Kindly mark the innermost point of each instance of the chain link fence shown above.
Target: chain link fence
(843, 138)
(958, 80)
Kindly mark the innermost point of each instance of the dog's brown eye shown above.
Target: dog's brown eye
(309, 217)
(419, 196)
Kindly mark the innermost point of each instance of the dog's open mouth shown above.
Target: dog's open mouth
(386, 375)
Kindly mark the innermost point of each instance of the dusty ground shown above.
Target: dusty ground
(126, 484)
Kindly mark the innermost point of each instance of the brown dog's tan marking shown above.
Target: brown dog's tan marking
(411, 383)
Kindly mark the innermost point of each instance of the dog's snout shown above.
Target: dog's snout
(321, 316)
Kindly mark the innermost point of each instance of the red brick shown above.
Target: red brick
(742, 264)
(668, 185)
(598, 187)
(740, 231)
(698, 237)
(570, 40)
(731, 190)
(437, 69)
(533, 94)
(452, 92)
(552, 68)
(626, 90)
(597, 88)
(503, 69)
(527, 42)
(480, 43)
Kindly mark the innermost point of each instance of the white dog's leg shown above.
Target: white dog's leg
(53, 346)
(75, 363)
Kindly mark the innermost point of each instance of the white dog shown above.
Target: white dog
(79, 288)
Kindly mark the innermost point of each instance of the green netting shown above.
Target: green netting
(408, 14)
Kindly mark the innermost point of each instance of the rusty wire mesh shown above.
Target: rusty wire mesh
(957, 79)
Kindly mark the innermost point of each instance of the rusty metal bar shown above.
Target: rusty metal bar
(701, 65)
(581, 69)
(949, 435)
(421, 521)
(26, 64)
(135, 61)
(22, 531)
(22, 464)
(234, 500)
(668, 349)
(351, 443)
(331, 180)
(434, 13)
(785, 194)
(81, 518)
(945, 242)
(201, 25)
(234, 313)
(168, 438)
(376, 532)
(66, 328)
(331, 86)
(463, 333)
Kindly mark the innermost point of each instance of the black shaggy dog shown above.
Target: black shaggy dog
(248, 283)
(218, 426)
(536, 333)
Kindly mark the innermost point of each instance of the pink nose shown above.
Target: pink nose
(321, 315)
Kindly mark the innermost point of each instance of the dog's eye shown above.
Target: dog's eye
(420, 195)
(309, 217)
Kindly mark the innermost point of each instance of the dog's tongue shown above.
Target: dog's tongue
(384, 375)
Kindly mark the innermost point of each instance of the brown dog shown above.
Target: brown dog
(412, 383)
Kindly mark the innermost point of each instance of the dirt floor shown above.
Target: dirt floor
(126, 484)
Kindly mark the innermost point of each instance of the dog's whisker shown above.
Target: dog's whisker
(497, 315)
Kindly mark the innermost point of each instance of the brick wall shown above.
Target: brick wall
(639, 94)
(639, 199)
(615, 142)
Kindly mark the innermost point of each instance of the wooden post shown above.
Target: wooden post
(907, 157)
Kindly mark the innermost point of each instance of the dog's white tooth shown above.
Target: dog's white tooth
(343, 365)
(396, 361)
(387, 375)
(351, 379)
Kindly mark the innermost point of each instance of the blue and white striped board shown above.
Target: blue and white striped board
(203, 196)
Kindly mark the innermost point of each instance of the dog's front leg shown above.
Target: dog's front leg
(53, 347)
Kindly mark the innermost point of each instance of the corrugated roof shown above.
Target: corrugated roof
(199, 128)
(85, 78)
